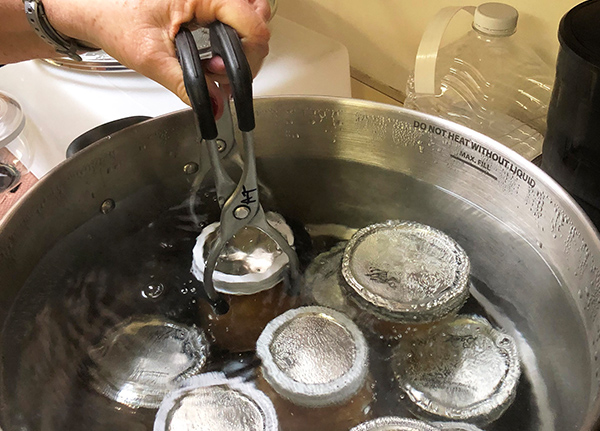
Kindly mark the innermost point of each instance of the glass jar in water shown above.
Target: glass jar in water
(392, 278)
(251, 275)
(315, 369)
(213, 402)
(461, 370)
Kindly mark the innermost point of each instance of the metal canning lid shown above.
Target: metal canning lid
(212, 402)
(456, 426)
(100, 61)
(393, 423)
(94, 61)
(141, 360)
(12, 120)
(251, 261)
(463, 370)
(406, 272)
(323, 280)
(313, 356)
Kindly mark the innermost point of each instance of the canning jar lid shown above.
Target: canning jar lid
(323, 282)
(313, 356)
(456, 426)
(406, 272)
(394, 423)
(463, 370)
(251, 261)
(100, 61)
(213, 402)
(12, 119)
(93, 61)
(142, 359)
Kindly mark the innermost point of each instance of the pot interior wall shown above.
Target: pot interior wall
(351, 164)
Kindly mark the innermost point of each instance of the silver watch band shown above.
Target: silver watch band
(36, 15)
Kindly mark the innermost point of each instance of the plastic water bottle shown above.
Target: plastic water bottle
(486, 80)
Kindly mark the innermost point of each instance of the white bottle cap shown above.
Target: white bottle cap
(495, 19)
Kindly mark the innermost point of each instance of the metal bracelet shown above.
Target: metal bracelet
(36, 15)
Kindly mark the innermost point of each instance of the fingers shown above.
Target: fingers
(146, 41)
(216, 98)
(248, 19)
(263, 8)
(215, 66)
(171, 77)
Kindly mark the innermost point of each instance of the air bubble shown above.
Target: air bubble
(153, 290)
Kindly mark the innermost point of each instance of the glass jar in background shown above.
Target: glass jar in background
(315, 365)
(462, 370)
(16, 155)
(213, 402)
(393, 423)
(392, 278)
(142, 359)
(251, 274)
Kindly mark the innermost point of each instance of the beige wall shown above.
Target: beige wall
(382, 36)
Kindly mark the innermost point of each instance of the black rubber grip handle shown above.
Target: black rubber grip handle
(226, 43)
(195, 84)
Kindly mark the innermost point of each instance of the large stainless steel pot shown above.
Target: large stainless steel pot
(534, 253)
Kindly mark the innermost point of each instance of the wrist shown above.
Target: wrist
(58, 23)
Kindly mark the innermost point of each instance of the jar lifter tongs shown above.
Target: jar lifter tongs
(240, 204)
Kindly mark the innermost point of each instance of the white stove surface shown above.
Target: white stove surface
(61, 104)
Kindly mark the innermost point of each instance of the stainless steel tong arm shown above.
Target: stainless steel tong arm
(240, 204)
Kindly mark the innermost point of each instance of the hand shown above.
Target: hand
(140, 33)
